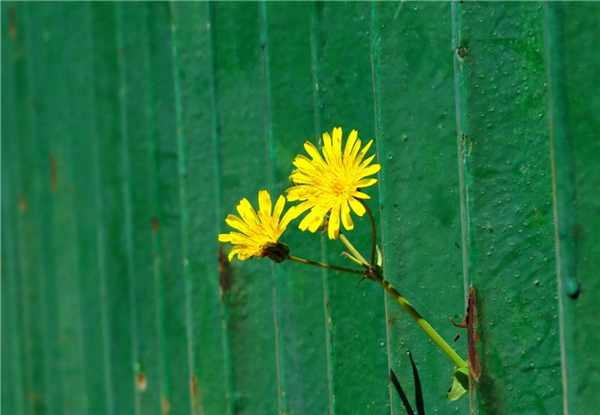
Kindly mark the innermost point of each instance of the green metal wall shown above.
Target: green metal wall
(130, 130)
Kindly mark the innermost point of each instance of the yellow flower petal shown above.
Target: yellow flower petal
(278, 208)
(333, 228)
(350, 143)
(356, 206)
(366, 182)
(346, 217)
(264, 202)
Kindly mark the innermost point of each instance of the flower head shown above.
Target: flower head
(259, 232)
(331, 184)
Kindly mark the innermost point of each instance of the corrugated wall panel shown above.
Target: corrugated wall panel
(131, 130)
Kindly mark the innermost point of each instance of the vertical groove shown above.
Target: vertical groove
(127, 194)
(230, 389)
(314, 39)
(462, 144)
(265, 62)
(563, 194)
(100, 225)
(11, 182)
(374, 55)
(158, 282)
(183, 203)
(53, 381)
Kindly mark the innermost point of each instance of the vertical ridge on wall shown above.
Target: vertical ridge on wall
(582, 40)
(315, 52)
(563, 189)
(190, 26)
(139, 152)
(248, 295)
(282, 401)
(341, 78)
(420, 216)
(13, 205)
(111, 194)
(269, 184)
(127, 204)
(302, 355)
(195, 407)
(50, 159)
(511, 255)
(167, 220)
(225, 271)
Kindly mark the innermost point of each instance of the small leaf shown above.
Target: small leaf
(400, 391)
(379, 257)
(460, 384)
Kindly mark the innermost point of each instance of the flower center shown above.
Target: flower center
(339, 188)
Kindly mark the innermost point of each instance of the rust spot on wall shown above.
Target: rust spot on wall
(33, 398)
(225, 272)
(194, 385)
(22, 204)
(12, 22)
(154, 225)
(470, 323)
(141, 382)
(578, 231)
(53, 173)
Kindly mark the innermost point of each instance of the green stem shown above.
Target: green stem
(322, 265)
(351, 258)
(373, 231)
(437, 339)
(353, 250)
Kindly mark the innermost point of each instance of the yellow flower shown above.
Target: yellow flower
(332, 184)
(259, 232)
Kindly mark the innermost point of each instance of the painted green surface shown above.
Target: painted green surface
(420, 216)
(508, 223)
(130, 130)
(302, 344)
(581, 41)
(138, 155)
(201, 217)
(355, 315)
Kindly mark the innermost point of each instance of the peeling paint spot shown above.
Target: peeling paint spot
(225, 273)
(12, 22)
(34, 398)
(165, 405)
(141, 382)
(154, 225)
(22, 204)
(194, 385)
(196, 398)
(53, 173)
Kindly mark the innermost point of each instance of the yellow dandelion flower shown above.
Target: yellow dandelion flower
(331, 184)
(259, 232)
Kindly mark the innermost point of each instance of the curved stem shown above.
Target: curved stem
(373, 231)
(322, 265)
(437, 339)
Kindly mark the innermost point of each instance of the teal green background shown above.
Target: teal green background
(131, 130)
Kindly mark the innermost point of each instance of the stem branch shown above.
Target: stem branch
(437, 339)
(322, 265)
